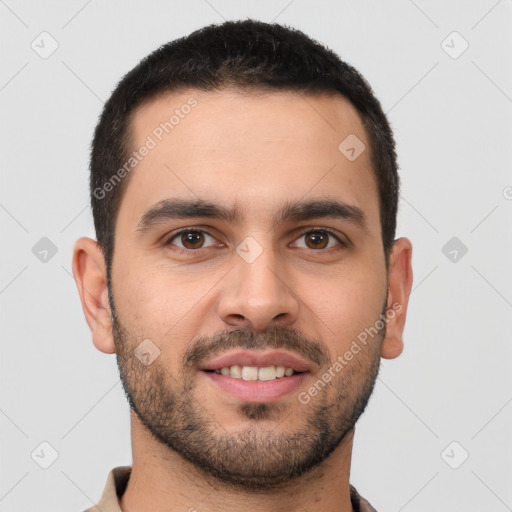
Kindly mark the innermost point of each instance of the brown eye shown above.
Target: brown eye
(190, 239)
(319, 239)
(316, 240)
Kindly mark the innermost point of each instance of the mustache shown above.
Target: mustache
(276, 337)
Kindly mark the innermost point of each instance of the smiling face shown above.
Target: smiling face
(245, 240)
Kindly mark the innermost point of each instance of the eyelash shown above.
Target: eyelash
(331, 233)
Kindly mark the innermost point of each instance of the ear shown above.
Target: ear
(90, 274)
(399, 289)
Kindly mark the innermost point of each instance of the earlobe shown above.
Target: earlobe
(392, 347)
(399, 290)
(89, 271)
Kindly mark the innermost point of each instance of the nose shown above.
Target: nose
(258, 293)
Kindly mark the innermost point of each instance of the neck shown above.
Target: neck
(162, 481)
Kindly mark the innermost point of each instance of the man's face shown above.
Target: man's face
(272, 286)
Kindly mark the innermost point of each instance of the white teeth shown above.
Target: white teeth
(262, 373)
(235, 371)
(250, 373)
(267, 373)
(280, 371)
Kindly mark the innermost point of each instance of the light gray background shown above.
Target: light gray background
(451, 117)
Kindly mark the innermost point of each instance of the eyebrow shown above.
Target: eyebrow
(297, 211)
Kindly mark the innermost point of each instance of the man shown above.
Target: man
(244, 189)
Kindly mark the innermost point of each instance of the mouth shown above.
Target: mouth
(255, 376)
(272, 363)
(262, 373)
(255, 391)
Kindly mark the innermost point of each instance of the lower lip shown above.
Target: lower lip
(257, 390)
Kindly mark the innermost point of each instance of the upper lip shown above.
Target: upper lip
(258, 358)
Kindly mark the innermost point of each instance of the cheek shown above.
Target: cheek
(162, 304)
(348, 305)
(149, 293)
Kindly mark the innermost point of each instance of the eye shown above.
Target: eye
(320, 239)
(190, 239)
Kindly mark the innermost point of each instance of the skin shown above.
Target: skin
(258, 151)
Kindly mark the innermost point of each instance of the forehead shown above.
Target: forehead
(258, 149)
